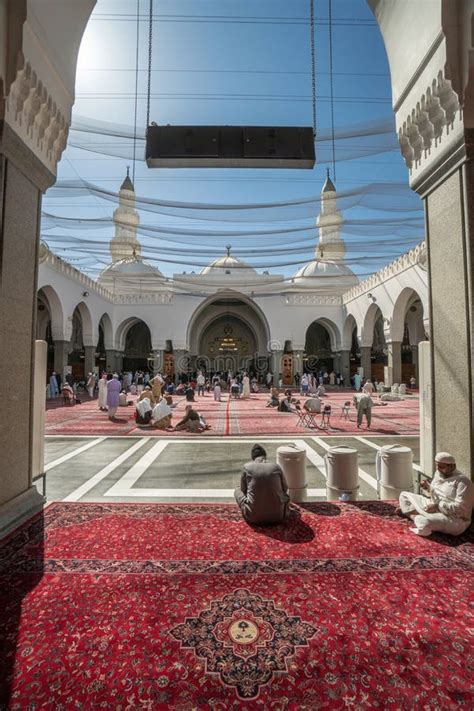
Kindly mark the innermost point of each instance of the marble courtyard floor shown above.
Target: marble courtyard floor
(131, 469)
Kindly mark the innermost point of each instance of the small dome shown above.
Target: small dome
(130, 266)
(228, 265)
(329, 274)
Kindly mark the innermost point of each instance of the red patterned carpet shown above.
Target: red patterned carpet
(159, 606)
(234, 417)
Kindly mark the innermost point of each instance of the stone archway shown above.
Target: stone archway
(234, 317)
(228, 343)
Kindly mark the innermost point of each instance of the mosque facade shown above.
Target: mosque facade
(230, 316)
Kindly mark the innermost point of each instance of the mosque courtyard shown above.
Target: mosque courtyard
(89, 458)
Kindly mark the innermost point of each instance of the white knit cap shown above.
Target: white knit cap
(445, 458)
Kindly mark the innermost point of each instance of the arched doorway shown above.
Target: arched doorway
(229, 332)
(228, 343)
(318, 351)
(137, 353)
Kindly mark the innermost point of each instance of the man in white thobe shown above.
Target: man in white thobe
(448, 506)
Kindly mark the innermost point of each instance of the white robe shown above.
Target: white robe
(246, 387)
(454, 497)
(103, 392)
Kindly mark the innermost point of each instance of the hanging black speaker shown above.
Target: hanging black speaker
(229, 147)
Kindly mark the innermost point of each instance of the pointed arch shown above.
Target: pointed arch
(53, 302)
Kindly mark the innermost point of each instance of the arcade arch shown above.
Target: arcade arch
(321, 346)
(229, 327)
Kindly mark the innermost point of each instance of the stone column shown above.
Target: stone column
(276, 365)
(119, 361)
(298, 361)
(394, 365)
(180, 361)
(89, 360)
(110, 360)
(366, 361)
(345, 367)
(37, 76)
(415, 361)
(437, 142)
(158, 360)
(61, 353)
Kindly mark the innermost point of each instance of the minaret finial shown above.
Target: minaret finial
(327, 172)
(128, 171)
(228, 248)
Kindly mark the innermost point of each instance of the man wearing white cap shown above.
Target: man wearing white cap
(449, 506)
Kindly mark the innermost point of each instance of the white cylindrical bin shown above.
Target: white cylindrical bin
(342, 474)
(292, 460)
(394, 465)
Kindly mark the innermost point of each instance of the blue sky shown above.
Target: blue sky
(242, 62)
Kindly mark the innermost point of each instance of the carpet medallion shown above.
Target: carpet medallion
(184, 606)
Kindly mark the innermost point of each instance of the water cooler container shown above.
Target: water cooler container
(292, 460)
(342, 474)
(394, 465)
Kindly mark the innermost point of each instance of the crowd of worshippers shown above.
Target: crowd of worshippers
(445, 505)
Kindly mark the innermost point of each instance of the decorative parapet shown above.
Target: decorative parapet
(35, 116)
(163, 297)
(433, 118)
(416, 256)
(312, 300)
(71, 272)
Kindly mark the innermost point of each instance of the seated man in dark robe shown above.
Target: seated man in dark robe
(262, 496)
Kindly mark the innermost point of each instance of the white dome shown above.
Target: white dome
(130, 266)
(228, 265)
(325, 273)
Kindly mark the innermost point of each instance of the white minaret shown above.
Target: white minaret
(331, 246)
(125, 244)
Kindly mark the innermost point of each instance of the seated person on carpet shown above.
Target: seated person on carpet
(161, 415)
(263, 494)
(190, 394)
(147, 394)
(68, 394)
(273, 401)
(320, 391)
(192, 421)
(284, 404)
(123, 399)
(447, 506)
(143, 412)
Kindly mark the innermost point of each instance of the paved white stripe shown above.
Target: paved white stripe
(315, 458)
(124, 486)
(197, 493)
(365, 476)
(93, 481)
(73, 454)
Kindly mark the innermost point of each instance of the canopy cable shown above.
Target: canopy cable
(150, 54)
(331, 83)
(313, 66)
(136, 94)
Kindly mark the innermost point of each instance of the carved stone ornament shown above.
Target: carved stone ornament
(432, 118)
(35, 117)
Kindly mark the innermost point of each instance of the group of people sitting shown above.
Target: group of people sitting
(153, 409)
(445, 505)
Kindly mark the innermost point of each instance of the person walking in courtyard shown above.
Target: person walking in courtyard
(113, 396)
(53, 385)
(103, 392)
(447, 503)
(363, 403)
(263, 493)
(246, 387)
(90, 385)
